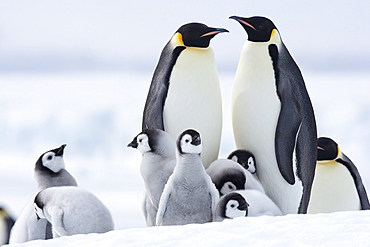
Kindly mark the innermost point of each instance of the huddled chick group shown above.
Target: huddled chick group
(179, 190)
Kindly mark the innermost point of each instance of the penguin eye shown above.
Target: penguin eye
(140, 140)
(230, 187)
(187, 140)
(50, 157)
(232, 205)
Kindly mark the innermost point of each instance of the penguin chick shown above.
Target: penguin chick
(337, 184)
(185, 90)
(258, 204)
(227, 175)
(230, 206)
(49, 172)
(189, 195)
(273, 117)
(245, 159)
(6, 224)
(72, 210)
(158, 161)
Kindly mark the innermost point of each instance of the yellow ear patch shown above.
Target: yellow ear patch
(339, 152)
(178, 39)
(273, 32)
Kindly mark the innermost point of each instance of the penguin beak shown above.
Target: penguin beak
(196, 141)
(242, 21)
(132, 144)
(215, 31)
(244, 206)
(320, 148)
(60, 151)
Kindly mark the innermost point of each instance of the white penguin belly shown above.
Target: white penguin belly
(194, 100)
(255, 112)
(333, 190)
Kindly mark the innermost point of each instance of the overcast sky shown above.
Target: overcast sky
(117, 33)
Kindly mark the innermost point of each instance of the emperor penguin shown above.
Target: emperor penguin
(231, 205)
(189, 195)
(72, 210)
(273, 117)
(6, 224)
(227, 175)
(337, 185)
(158, 149)
(185, 90)
(246, 159)
(49, 172)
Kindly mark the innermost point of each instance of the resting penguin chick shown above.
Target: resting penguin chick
(159, 160)
(258, 204)
(337, 185)
(189, 195)
(185, 90)
(230, 206)
(272, 116)
(245, 159)
(6, 223)
(227, 175)
(49, 171)
(72, 210)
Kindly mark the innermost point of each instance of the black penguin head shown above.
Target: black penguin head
(245, 159)
(52, 160)
(141, 142)
(258, 28)
(327, 149)
(155, 141)
(189, 141)
(234, 205)
(197, 34)
(230, 180)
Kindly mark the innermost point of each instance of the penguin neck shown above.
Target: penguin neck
(189, 162)
(45, 178)
(156, 169)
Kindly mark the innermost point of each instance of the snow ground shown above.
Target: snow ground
(98, 114)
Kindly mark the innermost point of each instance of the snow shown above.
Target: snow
(336, 229)
(98, 114)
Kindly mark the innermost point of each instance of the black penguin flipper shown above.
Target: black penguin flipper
(285, 137)
(361, 191)
(289, 118)
(306, 153)
(157, 94)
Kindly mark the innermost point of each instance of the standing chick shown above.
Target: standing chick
(189, 195)
(49, 172)
(159, 160)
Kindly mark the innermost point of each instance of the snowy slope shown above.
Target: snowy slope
(336, 229)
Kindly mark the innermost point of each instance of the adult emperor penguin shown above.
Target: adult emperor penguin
(189, 195)
(273, 117)
(6, 224)
(337, 185)
(228, 175)
(49, 171)
(185, 89)
(158, 161)
(72, 210)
